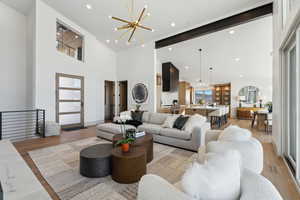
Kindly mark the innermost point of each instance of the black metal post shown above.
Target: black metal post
(37, 122)
(0, 125)
(44, 125)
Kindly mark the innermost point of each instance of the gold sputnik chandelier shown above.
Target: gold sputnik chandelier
(132, 25)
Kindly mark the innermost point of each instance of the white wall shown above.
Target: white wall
(13, 69)
(99, 65)
(281, 34)
(138, 65)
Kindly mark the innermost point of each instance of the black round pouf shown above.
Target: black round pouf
(95, 161)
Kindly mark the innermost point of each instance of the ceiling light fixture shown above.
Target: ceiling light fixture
(132, 26)
(143, 45)
(237, 59)
(116, 41)
(170, 48)
(173, 24)
(107, 41)
(89, 6)
(241, 76)
(186, 67)
(231, 32)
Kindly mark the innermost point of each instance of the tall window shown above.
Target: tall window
(69, 42)
(203, 95)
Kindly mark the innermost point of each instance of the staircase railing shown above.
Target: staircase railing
(22, 124)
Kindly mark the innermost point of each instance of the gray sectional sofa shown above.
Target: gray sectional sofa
(152, 123)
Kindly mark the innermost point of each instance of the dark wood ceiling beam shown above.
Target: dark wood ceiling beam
(219, 25)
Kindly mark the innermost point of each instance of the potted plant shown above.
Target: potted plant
(125, 144)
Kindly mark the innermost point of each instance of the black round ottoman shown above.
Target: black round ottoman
(95, 161)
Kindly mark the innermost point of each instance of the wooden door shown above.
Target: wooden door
(69, 101)
(109, 102)
(123, 95)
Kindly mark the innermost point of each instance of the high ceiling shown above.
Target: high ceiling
(242, 52)
(184, 14)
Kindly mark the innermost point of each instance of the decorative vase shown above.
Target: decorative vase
(125, 147)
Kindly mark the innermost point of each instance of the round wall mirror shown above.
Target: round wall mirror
(140, 93)
(249, 94)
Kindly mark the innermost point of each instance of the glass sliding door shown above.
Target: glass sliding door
(292, 104)
(69, 101)
(291, 71)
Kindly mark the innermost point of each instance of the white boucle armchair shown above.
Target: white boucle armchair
(251, 150)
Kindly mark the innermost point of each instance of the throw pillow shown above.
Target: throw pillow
(137, 115)
(169, 122)
(217, 179)
(180, 122)
(235, 133)
(194, 120)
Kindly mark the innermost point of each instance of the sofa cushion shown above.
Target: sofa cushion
(180, 122)
(169, 122)
(150, 128)
(193, 121)
(175, 133)
(158, 118)
(146, 117)
(113, 128)
(218, 178)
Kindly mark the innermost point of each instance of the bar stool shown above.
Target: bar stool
(216, 117)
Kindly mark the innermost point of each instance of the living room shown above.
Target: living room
(59, 58)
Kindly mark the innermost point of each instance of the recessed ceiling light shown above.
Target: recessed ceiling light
(115, 29)
(109, 16)
(186, 67)
(107, 41)
(146, 6)
(241, 76)
(148, 14)
(89, 6)
(143, 45)
(170, 48)
(152, 30)
(173, 24)
(237, 59)
(231, 32)
(116, 41)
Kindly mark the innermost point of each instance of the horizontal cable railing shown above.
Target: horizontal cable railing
(22, 124)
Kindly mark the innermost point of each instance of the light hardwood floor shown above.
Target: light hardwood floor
(274, 167)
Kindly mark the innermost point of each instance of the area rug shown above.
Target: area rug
(59, 165)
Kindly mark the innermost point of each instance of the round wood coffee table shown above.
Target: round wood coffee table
(145, 141)
(95, 161)
(128, 167)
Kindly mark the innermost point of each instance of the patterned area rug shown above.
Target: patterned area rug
(59, 165)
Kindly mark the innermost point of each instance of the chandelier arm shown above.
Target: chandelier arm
(124, 27)
(144, 27)
(141, 15)
(122, 20)
(134, 29)
(123, 34)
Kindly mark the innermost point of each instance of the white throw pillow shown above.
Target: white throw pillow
(217, 179)
(169, 122)
(193, 121)
(235, 133)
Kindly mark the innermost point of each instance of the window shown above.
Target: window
(69, 42)
(205, 95)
